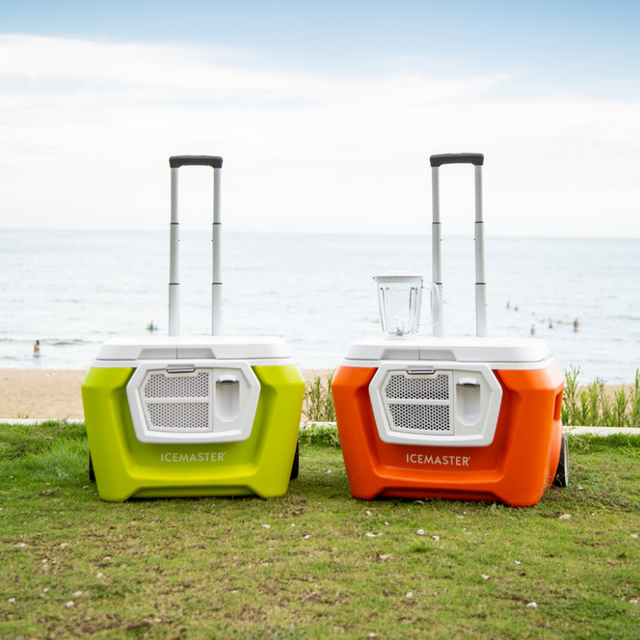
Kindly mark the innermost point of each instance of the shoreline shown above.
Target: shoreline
(43, 394)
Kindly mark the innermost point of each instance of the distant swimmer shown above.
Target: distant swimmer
(508, 304)
(36, 349)
(576, 324)
(533, 329)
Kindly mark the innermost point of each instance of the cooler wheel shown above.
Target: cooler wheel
(562, 472)
(296, 462)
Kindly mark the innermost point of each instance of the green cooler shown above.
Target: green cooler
(193, 416)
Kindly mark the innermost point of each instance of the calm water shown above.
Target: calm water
(74, 289)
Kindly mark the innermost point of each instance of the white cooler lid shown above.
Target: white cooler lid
(461, 349)
(194, 347)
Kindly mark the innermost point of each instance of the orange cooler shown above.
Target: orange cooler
(469, 418)
(465, 418)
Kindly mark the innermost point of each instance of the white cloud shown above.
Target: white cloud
(87, 128)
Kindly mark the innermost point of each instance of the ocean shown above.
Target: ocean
(74, 289)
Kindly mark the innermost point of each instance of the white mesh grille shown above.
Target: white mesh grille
(419, 402)
(204, 400)
(192, 416)
(178, 401)
(177, 386)
(421, 417)
(434, 387)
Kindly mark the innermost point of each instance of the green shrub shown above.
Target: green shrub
(592, 406)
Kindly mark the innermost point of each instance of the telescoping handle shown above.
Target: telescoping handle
(476, 159)
(175, 162)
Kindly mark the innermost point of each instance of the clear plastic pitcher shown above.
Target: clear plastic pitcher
(400, 301)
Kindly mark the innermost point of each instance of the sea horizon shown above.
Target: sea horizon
(73, 289)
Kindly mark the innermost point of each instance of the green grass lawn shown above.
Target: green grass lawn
(315, 563)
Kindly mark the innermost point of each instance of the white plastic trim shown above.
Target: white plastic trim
(477, 431)
(222, 427)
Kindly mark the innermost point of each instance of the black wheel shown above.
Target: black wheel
(92, 475)
(295, 469)
(562, 472)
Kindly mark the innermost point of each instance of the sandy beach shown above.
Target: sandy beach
(46, 394)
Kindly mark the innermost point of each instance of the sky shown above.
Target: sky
(325, 114)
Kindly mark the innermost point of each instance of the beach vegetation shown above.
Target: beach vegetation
(314, 563)
(595, 405)
(318, 399)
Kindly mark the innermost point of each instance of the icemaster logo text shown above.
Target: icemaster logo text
(203, 456)
(453, 461)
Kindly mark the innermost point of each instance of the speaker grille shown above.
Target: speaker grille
(421, 417)
(192, 416)
(435, 387)
(159, 385)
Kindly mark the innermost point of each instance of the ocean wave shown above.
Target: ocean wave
(51, 342)
(66, 342)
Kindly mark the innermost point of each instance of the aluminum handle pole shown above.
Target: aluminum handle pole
(481, 283)
(436, 248)
(174, 263)
(216, 281)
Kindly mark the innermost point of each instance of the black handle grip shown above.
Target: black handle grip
(457, 158)
(200, 161)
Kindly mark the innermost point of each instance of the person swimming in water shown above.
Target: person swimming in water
(36, 348)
